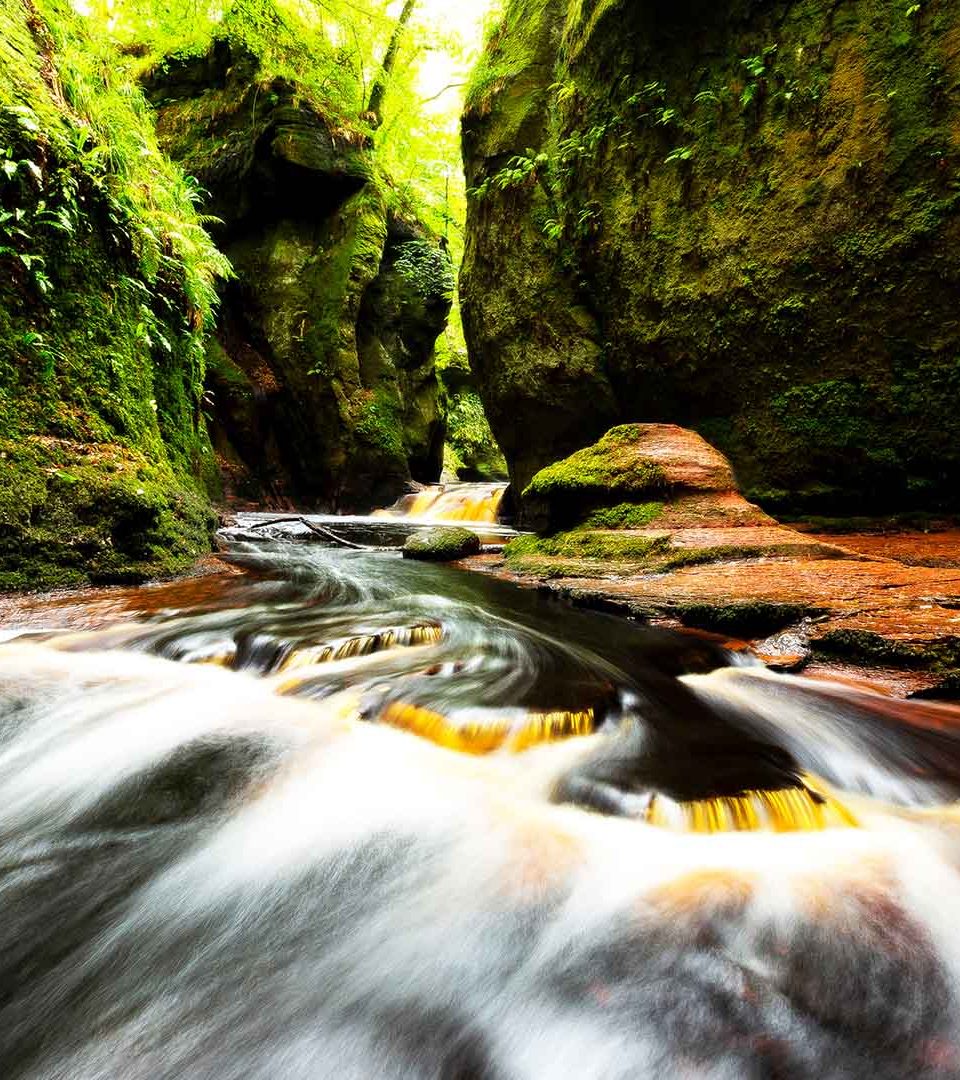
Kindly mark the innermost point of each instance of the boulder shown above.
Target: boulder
(623, 480)
(442, 545)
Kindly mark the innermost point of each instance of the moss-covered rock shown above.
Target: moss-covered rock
(76, 512)
(645, 498)
(739, 217)
(323, 384)
(105, 289)
(441, 545)
(621, 480)
(611, 471)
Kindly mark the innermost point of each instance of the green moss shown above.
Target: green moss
(941, 655)
(85, 512)
(624, 516)
(512, 44)
(441, 545)
(582, 544)
(751, 619)
(379, 423)
(609, 468)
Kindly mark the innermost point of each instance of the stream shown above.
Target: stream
(339, 814)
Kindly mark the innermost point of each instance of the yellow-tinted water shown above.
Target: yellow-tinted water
(451, 502)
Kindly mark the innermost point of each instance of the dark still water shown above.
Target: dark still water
(348, 816)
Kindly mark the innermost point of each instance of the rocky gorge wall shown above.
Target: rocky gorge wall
(106, 470)
(321, 377)
(740, 217)
(277, 347)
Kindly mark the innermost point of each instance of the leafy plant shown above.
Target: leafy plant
(679, 153)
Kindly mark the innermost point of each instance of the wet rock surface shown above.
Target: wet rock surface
(860, 614)
(709, 560)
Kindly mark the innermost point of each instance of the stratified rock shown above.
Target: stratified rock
(654, 497)
(631, 464)
(740, 217)
(322, 374)
(442, 545)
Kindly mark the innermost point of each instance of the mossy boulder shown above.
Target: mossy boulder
(441, 545)
(323, 380)
(644, 498)
(622, 479)
(742, 218)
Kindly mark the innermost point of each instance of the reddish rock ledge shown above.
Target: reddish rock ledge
(881, 605)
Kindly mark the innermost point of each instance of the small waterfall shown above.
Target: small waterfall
(451, 502)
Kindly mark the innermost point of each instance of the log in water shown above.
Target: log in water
(349, 816)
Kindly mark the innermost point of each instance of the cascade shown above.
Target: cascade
(337, 814)
(451, 502)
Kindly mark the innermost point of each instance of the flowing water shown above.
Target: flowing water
(344, 815)
(451, 502)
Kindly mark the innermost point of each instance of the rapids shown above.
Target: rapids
(346, 816)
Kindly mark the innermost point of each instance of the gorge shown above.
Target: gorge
(479, 564)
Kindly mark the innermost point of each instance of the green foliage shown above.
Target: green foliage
(59, 164)
(107, 288)
(679, 153)
(469, 437)
(327, 49)
(113, 142)
(427, 267)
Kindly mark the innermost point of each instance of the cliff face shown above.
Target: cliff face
(105, 465)
(741, 217)
(321, 380)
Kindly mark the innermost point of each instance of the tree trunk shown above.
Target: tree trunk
(379, 91)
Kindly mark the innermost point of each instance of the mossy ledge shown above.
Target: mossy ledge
(72, 513)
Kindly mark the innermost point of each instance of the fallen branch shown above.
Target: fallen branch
(327, 534)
